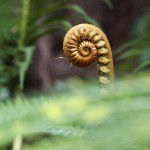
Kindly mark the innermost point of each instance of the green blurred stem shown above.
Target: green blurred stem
(24, 23)
(17, 143)
(23, 34)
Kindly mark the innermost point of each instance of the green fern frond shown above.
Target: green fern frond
(84, 120)
(137, 49)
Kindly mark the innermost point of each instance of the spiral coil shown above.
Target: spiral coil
(86, 43)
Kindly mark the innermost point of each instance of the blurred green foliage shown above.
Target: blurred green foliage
(80, 118)
(134, 55)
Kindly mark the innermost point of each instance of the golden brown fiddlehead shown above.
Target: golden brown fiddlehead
(86, 43)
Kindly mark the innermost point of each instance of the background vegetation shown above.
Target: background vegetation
(41, 110)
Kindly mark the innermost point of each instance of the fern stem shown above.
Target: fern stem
(24, 22)
(22, 39)
(17, 142)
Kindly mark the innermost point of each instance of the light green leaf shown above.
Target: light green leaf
(142, 66)
(23, 66)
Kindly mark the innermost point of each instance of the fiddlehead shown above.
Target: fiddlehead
(84, 44)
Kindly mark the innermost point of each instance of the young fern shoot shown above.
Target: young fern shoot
(86, 43)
